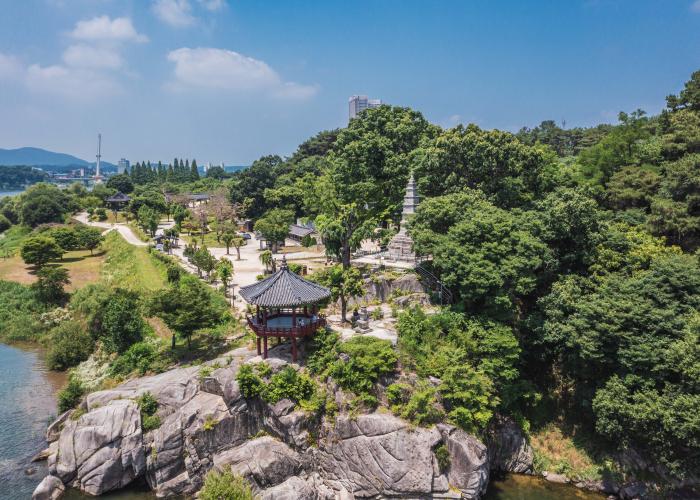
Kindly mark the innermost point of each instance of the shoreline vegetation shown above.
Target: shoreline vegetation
(571, 256)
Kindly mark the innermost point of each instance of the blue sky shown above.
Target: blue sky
(231, 80)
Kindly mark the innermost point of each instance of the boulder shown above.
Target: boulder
(54, 430)
(172, 389)
(263, 461)
(290, 425)
(509, 450)
(102, 450)
(50, 488)
(377, 454)
(180, 451)
(555, 478)
(469, 464)
(293, 488)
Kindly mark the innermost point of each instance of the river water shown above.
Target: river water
(9, 193)
(28, 402)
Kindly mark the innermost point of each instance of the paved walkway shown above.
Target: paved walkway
(120, 227)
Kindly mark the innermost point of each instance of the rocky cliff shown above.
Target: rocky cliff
(284, 452)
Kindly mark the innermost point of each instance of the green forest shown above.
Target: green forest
(16, 177)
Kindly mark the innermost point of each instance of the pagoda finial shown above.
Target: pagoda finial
(283, 265)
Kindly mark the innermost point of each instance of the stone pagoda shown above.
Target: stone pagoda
(401, 245)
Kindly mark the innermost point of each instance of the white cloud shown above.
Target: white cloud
(177, 13)
(227, 70)
(10, 67)
(695, 6)
(74, 83)
(85, 56)
(213, 5)
(104, 29)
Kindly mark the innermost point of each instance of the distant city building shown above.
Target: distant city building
(358, 103)
(123, 166)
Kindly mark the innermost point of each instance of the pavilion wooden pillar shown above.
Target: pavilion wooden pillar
(265, 347)
(258, 342)
(294, 348)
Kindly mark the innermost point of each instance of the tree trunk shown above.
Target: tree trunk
(227, 249)
(173, 342)
(238, 252)
(345, 254)
(343, 309)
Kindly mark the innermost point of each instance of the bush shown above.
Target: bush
(122, 324)
(289, 384)
(249, 383)
(442, 454)
(69, 344)
(225, 486)
(323, 351)
(419, 405)
(101, 214)
(369, 359)
(70, 396)
(4, 224)
(139, 357)
(148, 406)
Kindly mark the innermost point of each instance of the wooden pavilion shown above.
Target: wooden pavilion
(118, 202)
(286, 307)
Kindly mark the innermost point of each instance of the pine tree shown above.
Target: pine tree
(194, 173)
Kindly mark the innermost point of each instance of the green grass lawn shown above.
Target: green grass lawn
(209, 240)
(140, 233)
(12, 239)
(131, 267)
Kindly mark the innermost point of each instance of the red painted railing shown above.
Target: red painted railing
(308, 328)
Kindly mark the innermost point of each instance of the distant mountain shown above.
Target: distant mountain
(43, 158)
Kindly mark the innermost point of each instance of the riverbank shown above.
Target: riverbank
(28, 394)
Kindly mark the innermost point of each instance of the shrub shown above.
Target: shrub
(4, 224)
(289, 384)
(442, 454)
(323, 351)
(249, 383)
(225, 486)
(139, 357)
(122, 324)
(422, 405)
(70, 343)
(101, 214)
(148, 406)
(70, 396)
(369, 359)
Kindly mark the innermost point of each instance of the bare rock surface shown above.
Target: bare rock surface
(264, 461)
(509, 450)
(377, 454)
(50, 488)
(283, 451)
(103, 449)
(469, 464)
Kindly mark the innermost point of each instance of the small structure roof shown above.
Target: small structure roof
(300, 231)
(284, 289)
(198, 197)
(118, 198)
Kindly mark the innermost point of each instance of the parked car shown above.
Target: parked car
(245, 236)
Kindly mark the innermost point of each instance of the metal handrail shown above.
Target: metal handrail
(434, 283)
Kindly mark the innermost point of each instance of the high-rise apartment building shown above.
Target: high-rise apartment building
(122, 166)
(359, 103)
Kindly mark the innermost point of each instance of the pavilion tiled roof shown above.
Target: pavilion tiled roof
(118, 197)
(284, 289)
(300, 231)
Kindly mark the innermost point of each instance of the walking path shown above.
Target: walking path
(245, 271)
(120, 227)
